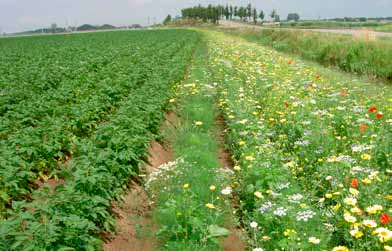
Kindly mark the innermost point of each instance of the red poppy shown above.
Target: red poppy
(363, 127)
(379, 115)
(343, 93)
(286, 104)
(372, 109)
(354, 183)
(385, 218)
(290, 62)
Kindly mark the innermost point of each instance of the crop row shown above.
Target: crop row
(76, 212)
(313, 150)
(36, 150)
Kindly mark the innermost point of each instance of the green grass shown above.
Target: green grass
(334, 24)
(384, 28)
(184, 219)
(372, 58)
(293, 129)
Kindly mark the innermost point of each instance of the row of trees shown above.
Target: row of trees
(213, 13)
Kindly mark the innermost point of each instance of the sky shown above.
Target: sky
(19, 15)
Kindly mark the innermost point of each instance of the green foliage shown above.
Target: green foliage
(167, 20)
(293, 17)
(188, 211)
(372, 58)
(313, 149)
(134, 89)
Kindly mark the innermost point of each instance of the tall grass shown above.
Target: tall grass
(333, 24)
(373, 58)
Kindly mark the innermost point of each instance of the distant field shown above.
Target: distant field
(359, 56)
(373, 25)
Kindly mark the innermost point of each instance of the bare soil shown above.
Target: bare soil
(234, 242)
(53, 183)
(135, 228)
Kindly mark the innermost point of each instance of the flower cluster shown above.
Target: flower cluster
(313, 150)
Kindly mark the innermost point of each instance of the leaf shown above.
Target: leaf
(216, 231)
(66, 249)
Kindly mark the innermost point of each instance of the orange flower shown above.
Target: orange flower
(343, 93)
(363, 127)
(385, 218)
(290, 62)
(354, 183)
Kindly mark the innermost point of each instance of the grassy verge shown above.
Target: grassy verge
(372, 58)
(190, 209)
(313, 150)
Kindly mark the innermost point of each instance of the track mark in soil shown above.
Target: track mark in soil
(234, 242)
(53, 183)
(135, 228)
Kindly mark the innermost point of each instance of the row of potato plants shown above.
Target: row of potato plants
(40, 133)
(313, 150)
(73, 215)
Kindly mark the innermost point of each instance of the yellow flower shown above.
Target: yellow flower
(237, 168)
(258, 195)
(241, 143)
(340, 248)
(172, 100)
(388, 248)
(355, 210)
(366, 181)
(369, 223)
(198, 123)
(389, 197)
(374, 209)
(328, 196)
(366, 157)
(250, 158)
(349, 218)
(337, 207)
(353, 191)
(356, 233)
(384, 234)
(283, 120)
(186, 186)
(210, 206)
(287, 232)
(212, 188)
(350, 201)
(266, 238)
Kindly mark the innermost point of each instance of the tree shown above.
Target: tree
(277, 18)
(235, 11)
(249, 11)
(254, 15)
(261, 15)
(273, 14)
(231, 12)
(293, 17)
(167, 20)
(227, 12)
